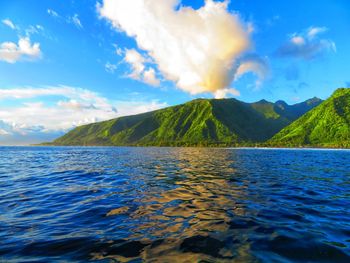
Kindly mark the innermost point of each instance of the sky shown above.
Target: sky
(69, 63)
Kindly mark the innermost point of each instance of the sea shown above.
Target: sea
(134, 204)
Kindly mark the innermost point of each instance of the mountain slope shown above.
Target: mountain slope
(198, 122)
(327, 125)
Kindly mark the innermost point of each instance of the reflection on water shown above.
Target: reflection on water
(174, 205)
(192, 217)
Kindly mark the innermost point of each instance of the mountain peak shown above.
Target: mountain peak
(281, 102)
(263, 101)
(313, 99)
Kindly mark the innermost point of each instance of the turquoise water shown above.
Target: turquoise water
(108, 204)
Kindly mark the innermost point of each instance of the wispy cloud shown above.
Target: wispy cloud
(135, 106)
(315, 31)
(307, 45)
(9, 23)
(76, 21)
(273, 20)
(27, 31)
(11, 52)
(70, 19)
(34, 30)
(110, 68)
(254, 64)
(52, 13)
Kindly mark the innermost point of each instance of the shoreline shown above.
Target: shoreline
(316, 148)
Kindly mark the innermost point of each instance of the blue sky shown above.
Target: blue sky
(64, 63)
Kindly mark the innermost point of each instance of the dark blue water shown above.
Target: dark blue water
(174, 205)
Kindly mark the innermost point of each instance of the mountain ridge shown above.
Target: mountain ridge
(327, 125)
(200, 122)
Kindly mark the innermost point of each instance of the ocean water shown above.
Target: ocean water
(111, 204)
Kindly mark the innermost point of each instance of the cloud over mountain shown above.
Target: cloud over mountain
(31, 118)
(198, 49)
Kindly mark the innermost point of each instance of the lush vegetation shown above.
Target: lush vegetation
(327, 125)
(201, 122)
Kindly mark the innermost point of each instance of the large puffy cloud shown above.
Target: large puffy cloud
(12, 52)
(32, 121)
(307, 45)
(199, 50)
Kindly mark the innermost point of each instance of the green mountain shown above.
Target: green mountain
(198, 122)
(327, 125)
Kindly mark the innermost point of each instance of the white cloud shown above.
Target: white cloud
(298, 40)
(76, 21)
(136, 61)
(307, 45)
(224, 93)
(39, 27)
(12, 52)
(9, 23)
(13, 134)
(139, 69)
(135, 107)
(119, 51)
(35, 121)
(149, 77)
(197, 49)
(4, 132)
(34, 30)
(314, 31)
(253, 64)
(27, 93)
(52, 13)
(75, 105)
(54, 118)
(110, 68)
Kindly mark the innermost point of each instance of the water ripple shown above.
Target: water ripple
(174, 204)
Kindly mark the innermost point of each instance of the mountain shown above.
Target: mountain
(198, 122)
(293, 112)
(327, 125)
